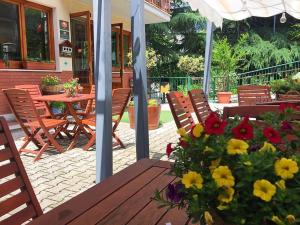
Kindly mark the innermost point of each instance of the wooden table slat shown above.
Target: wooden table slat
(136, 203)
(117, 198)
(174, 216)
(71, 209)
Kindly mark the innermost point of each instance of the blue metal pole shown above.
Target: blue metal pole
(139, 78)
(208, 53)
(103, 82)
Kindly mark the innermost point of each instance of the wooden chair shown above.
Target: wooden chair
(180, 111)
(120, 98)
(200, 104)
(32, 123)
(252, 94)
(15, 187)
(34, 90)
(90, 106)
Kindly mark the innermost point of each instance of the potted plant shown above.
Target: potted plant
(225, 62)
(38, 64)
(154, 109)
(288, 88)
(51, 85)
(237, 173)
(57, 107)
(72, 87)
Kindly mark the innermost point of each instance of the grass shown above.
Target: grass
(165, 117)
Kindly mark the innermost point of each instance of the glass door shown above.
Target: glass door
(82, 48)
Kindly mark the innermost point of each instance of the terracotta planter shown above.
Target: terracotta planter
(30, 65)
(224, 97)
(153, 117)
(52, 90)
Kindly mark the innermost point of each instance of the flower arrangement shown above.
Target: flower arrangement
(238, 171)
(51, 84)
(72, 87)
(50, 80)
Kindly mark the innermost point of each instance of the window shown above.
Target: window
(25, 31)
(9, 32)
(37, 35)
(126, 45)
(114, 48)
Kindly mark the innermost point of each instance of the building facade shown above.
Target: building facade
(42, 37)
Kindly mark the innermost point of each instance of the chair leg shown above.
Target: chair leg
(41, 151)
(90, 143)
(53, 141)
(118, 140)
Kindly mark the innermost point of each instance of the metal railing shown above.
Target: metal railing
(162, 4)
(158, 86)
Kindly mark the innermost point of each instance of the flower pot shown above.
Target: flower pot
(153, 117)
(53, 89)
(224, 97)
(30, 65)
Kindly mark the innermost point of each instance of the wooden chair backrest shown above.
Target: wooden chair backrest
(180, 111)
(34, 91)
(252, 94)
(200, 104)
(91, 105)
(21, 105)
(15, 188)
(120, 98)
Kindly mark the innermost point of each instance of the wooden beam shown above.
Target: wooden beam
(208, 54)
(139, 78)
(103, 82)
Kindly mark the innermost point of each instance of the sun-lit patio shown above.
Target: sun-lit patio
(141, 112)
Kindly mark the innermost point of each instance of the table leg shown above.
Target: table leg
(80, 128)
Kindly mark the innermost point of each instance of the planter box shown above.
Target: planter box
(12, 65)
(38, 65)
(153, 117)
(54, 89)
(224, 97)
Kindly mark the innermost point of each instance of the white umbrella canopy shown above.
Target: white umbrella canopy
(216, 10)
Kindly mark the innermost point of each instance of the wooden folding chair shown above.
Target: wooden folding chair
(252, 94)
(32, 124)
(200, 104)
(120, 98)
(34, 90)
(180, 111)
(15, 188)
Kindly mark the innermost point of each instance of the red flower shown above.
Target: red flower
(272, 135)
(244, 130)
(183, 143)
(169, 149)
(286, 126)
(213, 124)
(285, 106)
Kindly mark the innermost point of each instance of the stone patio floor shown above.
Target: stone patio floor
(57, 178)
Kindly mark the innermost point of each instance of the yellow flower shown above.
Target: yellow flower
(267, 147)
(222, 207)
(281, 184)
(208, 218)
(235, 146)
(197, 130)
(223, 176)
(264, 190)
(227, 195)
(276, 220)
(182, 132)
(286, 168)
(191, 179)
(291, 219)
(214, 164)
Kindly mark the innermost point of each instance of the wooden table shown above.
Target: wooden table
(124, 198)
(69, 101)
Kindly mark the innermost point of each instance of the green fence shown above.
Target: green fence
(156, 85)
(257, 77)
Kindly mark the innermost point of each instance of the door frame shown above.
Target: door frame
(88, 15)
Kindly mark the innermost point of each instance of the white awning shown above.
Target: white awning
(216, 10)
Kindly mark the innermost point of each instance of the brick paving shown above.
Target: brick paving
(57, 178)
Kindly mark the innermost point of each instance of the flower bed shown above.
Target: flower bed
(242, 171)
